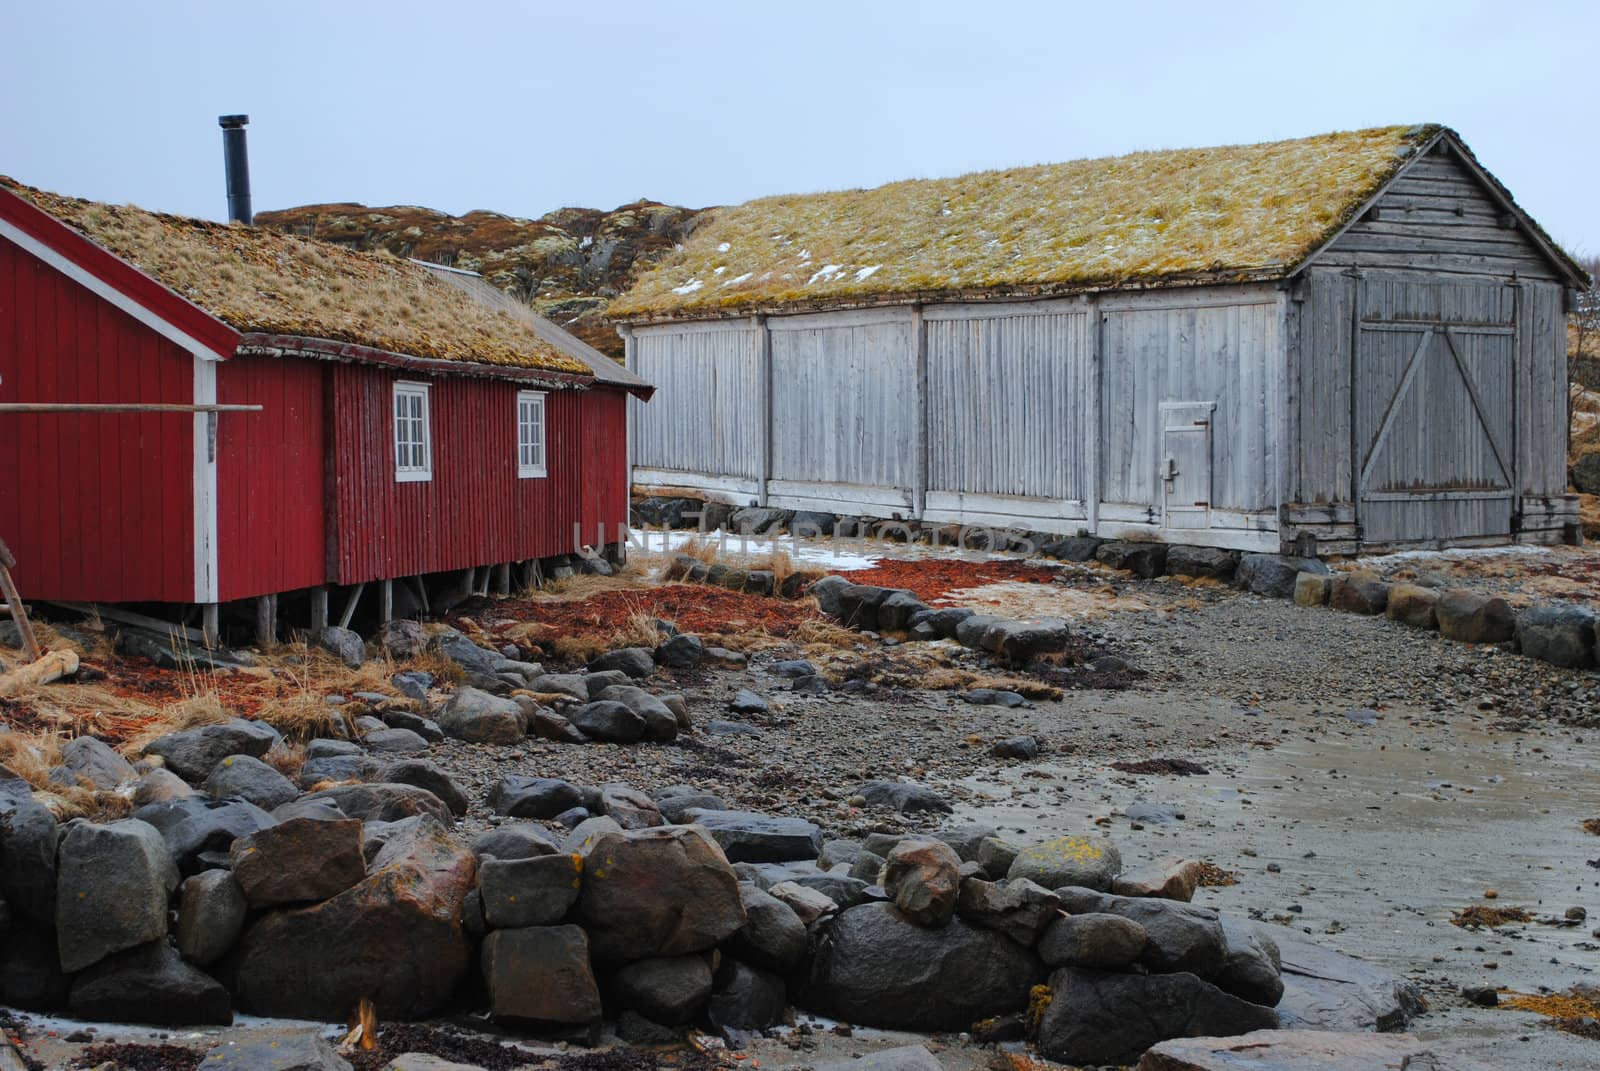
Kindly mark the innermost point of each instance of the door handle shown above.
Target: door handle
(1172, 470)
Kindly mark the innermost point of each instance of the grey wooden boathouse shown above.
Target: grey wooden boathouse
(1327, 345)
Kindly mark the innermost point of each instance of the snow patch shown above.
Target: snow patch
(724, 247)
(827, 273)
(866, 273)
(737, 279)
(689, 287)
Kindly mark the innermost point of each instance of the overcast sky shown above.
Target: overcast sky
(524, 107)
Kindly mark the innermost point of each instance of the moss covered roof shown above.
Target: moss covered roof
(1239, 211)
(260, 280)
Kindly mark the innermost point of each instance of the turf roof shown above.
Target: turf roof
(260, 280)
(1234, 212)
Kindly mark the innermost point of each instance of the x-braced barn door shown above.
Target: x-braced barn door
(1434, 385)
(1186, 464)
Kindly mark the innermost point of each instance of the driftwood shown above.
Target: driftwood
(52, 667)
(10, 1059)
(13, 603)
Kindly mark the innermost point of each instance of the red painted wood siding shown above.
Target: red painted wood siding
(96, 507)
(271, 525)
(605, 467)
(475, 510)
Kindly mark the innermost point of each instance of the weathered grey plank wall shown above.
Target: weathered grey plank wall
(1224, 353)
(706, 415)
(844, 403)
(1008, 402)
(1542, 389)
(1323, 399)
(1437, 217)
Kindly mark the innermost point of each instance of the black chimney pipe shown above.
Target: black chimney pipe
(238, 164)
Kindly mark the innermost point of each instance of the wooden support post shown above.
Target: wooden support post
(422, 594)
(483, 584)
(502, 579)
(385, 601)
(319, 609)
(764, 404)
(350, 605)
(919, 361)
(267, 620)
(211, 625)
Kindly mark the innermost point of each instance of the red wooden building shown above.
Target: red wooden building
(411, 436)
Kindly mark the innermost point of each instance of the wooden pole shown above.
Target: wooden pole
(8, 589)
(319, 608)
(385, 601)
(267, 620)
(350, 605)
(211, 625)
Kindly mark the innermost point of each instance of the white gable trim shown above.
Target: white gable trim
(206, 578)
(105, 291)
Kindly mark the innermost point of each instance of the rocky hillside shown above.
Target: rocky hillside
(568, 263)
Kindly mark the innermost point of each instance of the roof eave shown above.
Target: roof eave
(261, 344)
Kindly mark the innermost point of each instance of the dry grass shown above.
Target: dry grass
(255, 279)
(31, 756)
(823, 633)
(1235, 211)
(573, 648)
(1477, 916)
(698, 547)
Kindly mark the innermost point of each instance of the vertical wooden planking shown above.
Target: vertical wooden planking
(705, 417)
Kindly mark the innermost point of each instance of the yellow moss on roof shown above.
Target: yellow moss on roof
(255, 279)
(1242, 211)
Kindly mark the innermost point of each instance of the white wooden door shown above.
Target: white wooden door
(1186, 464)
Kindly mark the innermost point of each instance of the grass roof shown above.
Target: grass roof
(260, 280)
(1240, 211)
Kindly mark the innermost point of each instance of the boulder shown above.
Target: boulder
(746, 998)
(378, 802)
(675, 809)
(112, 886)
(628, 807)
(523, 841)
(1167, 879)
(575, 685)
(520, 796)
(584, 835)
(1467, 617)
(1100, 1017)
(1015, 642)
(480, 718)
(1324, 990)
(308, 1051)
(942, 623)
(301, 860)
(1144, 560)
(1202, 562)
(995, 856)
(681, 652)
(876, 967)
(1312, 589)
(923, 877)
(335, 768)
(858, 604)
(660, 724)
(758, 520)
(897, 609)
(809, 524)
(826, 592)
(902, 796)
(970, 630)
(1251, 964)
(420, 773)
(1560, 635)
(466, 654)
(773, 937)
(1015, 747)
(94, 761)
(609, 721)
(211, 912)
(396, 937)
(1182, 937)
(745, 837)
(191, 825)
(1090, 862)
(635, 662)
(401, 639)
(325, 748)
(670, 989)
(1072, 549)
(345, 645)
(1019, 909)
(1412, 605)
(597, 681)
(1359, 593)
(746, 702)
(1273, 575)
(392, 741)
(30, 970)
(541, 974)
(193, 753)
(808, 903)
(534, 891)
(1298, 1050)
(149, 984)
(157, 785)
(27, 851)
(658, 892)
(250, 779)
(413, 684)
(1094, 939)
(546, 724)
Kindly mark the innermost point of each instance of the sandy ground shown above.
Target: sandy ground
(1365, 781)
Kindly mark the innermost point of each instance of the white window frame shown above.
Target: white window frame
(527, 466)
(411, 472)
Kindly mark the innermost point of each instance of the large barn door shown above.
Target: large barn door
(1434, 396)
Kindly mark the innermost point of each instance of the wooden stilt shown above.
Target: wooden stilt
(319, 609)
(211, 625)
(502, 579)
(385, 601)
(421, 587)
(350, 604)
(267, 620)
